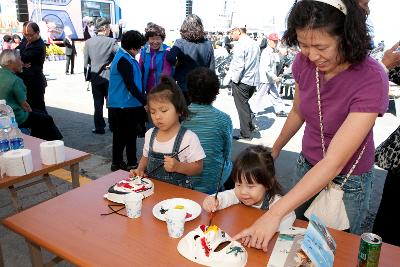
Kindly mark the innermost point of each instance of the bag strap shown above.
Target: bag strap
(321, 127)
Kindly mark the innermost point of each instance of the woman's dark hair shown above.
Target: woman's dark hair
(7, 38)
(33, 25)
(132, 39)
(256, 165)
(168, 90)
(203, 86)
(192, 29)
(351, 29)
(153, 29)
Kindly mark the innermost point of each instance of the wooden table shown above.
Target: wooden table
(72, 159)
(71, 227)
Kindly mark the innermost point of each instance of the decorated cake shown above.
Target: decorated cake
(210, 246)
(129, 185)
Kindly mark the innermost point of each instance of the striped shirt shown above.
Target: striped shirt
(214, 129)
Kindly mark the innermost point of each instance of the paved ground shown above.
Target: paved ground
(71, 106)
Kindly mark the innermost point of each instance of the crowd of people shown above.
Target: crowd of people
(165, 95)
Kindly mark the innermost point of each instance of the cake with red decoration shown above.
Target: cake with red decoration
(129, 185)
(210, 246)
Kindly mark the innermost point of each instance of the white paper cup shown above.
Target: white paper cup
(133, 205)
(175, 219)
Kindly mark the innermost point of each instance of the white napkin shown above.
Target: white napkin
(17, 162)
(52, 152)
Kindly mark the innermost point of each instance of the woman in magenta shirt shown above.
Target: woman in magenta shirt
(334, 42)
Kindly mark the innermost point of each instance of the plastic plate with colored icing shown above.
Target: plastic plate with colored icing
(192, 208)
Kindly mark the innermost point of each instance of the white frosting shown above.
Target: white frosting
(129, 185)
(199, 246)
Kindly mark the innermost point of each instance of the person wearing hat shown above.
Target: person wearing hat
(98, 54)
(269, 80)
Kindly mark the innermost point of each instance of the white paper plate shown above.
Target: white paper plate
(191, 207)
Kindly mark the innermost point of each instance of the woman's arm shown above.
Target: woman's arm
(173, 54)
(126, 70)
(292, 124)
(227, 137)
(212, 58)
(167, 69)
(344, 144)
(25, 106)
(288, 220)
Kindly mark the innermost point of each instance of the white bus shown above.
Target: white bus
(60, 14)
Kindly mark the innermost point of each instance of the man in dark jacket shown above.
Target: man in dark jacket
(98, 54)
(33, 54)
(70, 51)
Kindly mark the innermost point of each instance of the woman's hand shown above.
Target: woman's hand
(275, 152)
(136, 172)
(391, 57)
(170, 164)
(210, 204)
(260, 232)
(25, 106)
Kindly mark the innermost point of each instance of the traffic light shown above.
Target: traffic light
(189, 4)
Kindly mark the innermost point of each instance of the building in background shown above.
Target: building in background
(189, 7)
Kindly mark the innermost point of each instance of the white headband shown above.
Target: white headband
(335, 3)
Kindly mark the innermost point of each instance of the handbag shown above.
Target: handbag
(328, 206)
(387, 154)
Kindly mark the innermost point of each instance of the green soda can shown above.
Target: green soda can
(370, 249)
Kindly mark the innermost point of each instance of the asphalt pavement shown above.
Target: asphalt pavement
(71, 105)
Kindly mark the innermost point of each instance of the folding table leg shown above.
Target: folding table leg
(14, 198)
(36, 254)
(50, 185)
(75, 175)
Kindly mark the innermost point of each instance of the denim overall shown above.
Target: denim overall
(156, 159)
(265, 203)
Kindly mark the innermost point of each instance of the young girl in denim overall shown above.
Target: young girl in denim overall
(171, 153)
(255, 184)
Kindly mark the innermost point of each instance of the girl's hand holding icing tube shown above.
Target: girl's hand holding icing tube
(170, 164)
(210, 204)
(136, 172)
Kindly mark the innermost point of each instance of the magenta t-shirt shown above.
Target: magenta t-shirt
(360, 88)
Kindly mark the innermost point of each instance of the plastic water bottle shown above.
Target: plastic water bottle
(4, 142)
(5, 121)
(15, 138)
(10, 113)
(12, 117)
